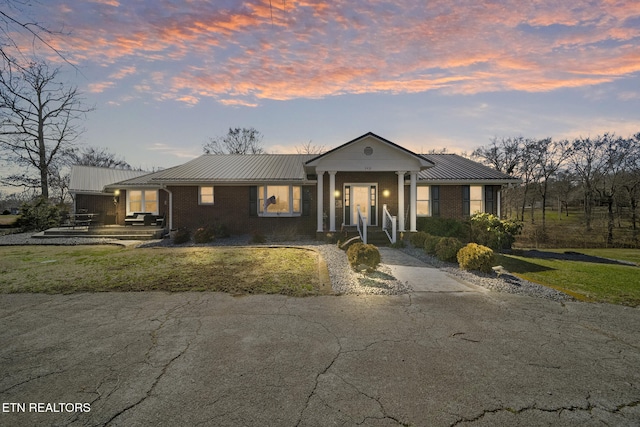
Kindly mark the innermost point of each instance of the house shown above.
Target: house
(307, 194)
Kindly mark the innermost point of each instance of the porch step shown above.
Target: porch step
(375, 235)
(106, 232)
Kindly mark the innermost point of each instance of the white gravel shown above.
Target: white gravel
(343, 278)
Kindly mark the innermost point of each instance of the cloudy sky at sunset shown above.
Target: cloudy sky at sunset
(165, 75)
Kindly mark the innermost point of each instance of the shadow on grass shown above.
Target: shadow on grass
(516, 265)
(571, 256)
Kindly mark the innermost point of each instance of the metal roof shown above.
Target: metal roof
(230, 168)
(92, 179)
(450, 168)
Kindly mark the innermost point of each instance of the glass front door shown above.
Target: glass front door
(363, 195)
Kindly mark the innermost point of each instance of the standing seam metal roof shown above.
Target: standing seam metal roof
(452, 167)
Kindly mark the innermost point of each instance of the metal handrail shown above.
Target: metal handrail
(362, 232)
(389, 222)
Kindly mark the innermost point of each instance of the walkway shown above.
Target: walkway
(423, 277)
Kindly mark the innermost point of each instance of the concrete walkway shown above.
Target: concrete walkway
(423, 277)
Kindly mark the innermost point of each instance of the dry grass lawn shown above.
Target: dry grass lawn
(69, 269)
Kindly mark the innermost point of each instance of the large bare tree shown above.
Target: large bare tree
(39, 122)
(236, 141)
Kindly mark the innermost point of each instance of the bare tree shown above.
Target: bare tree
(236, 141)
(586, 160)
(310, 148)
(100, 157)
(549, 156)
(631, 181)
(38, 125)
(17, 29)
(503, 154)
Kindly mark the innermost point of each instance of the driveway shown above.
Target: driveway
(428, 358)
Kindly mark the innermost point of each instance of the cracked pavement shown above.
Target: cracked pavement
(437, 359)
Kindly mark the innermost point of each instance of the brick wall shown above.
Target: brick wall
(451, 201)
(231, 208)
(98, 204)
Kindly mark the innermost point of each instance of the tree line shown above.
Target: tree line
(591, 171)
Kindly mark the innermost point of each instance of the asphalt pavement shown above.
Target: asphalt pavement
(424, 359)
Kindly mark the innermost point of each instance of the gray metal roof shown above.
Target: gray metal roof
(91, 179)
(230, 168)
(450, 168)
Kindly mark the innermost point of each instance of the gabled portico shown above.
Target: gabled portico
(368, 171)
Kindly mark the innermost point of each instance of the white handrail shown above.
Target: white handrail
(389, 222)
(363, 219)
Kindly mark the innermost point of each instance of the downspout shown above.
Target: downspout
(164, 187)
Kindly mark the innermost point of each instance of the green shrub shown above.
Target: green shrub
(476, 257)
(221, 231)
(447, 249)
(363, 254)
(182, 235)
(491, 231)
(204, 234)
(444, 227)
(38, 215)
(257, 238)
(430, 244)
(417, 239)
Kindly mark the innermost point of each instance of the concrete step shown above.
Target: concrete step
(113, 232)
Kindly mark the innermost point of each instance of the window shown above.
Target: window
(205, 195)
(471, 199)
(423, 199)
(142, 201)
(282, 200)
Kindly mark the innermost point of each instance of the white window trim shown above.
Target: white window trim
(143, 209)
(424, 200)
(213, 194)
(262, 197)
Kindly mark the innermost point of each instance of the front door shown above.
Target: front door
(363, 195)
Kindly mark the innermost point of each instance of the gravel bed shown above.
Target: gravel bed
(343, 278)
(504, 283)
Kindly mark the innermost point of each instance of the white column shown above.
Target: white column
(413, 201)
(499, 208)
(320, 204)
(332, 200)
(401, 200)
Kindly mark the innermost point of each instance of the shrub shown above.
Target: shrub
(476, 257)
(38, 215)
(417, 239)
(491, 231)
(363, 254)
(430, 244)
(444, 227)
(6, 212)
(204, 234)
(182, 235)
(257, 237)
(221, 231)
(447, 249)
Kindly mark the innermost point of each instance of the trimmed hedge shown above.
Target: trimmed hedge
(447, 249)
(417, 239)
(476, 257)
(430, 244)
(363, 254)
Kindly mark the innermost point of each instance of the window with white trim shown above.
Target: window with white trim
(205, 196)
(423, 200)
(279, 200)
(142, 201)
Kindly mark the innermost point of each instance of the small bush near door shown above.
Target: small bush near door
(363, 254)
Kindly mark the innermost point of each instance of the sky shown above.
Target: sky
(167, 75)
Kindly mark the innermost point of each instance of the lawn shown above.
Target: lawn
(239, 271)
(8, 220)
(616, 284)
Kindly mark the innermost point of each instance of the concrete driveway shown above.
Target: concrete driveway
(425, 359)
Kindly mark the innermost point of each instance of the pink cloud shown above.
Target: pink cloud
(269, 50)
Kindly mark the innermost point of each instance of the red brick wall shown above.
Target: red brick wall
(231, 208)
(451, 201)
(98, 204)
